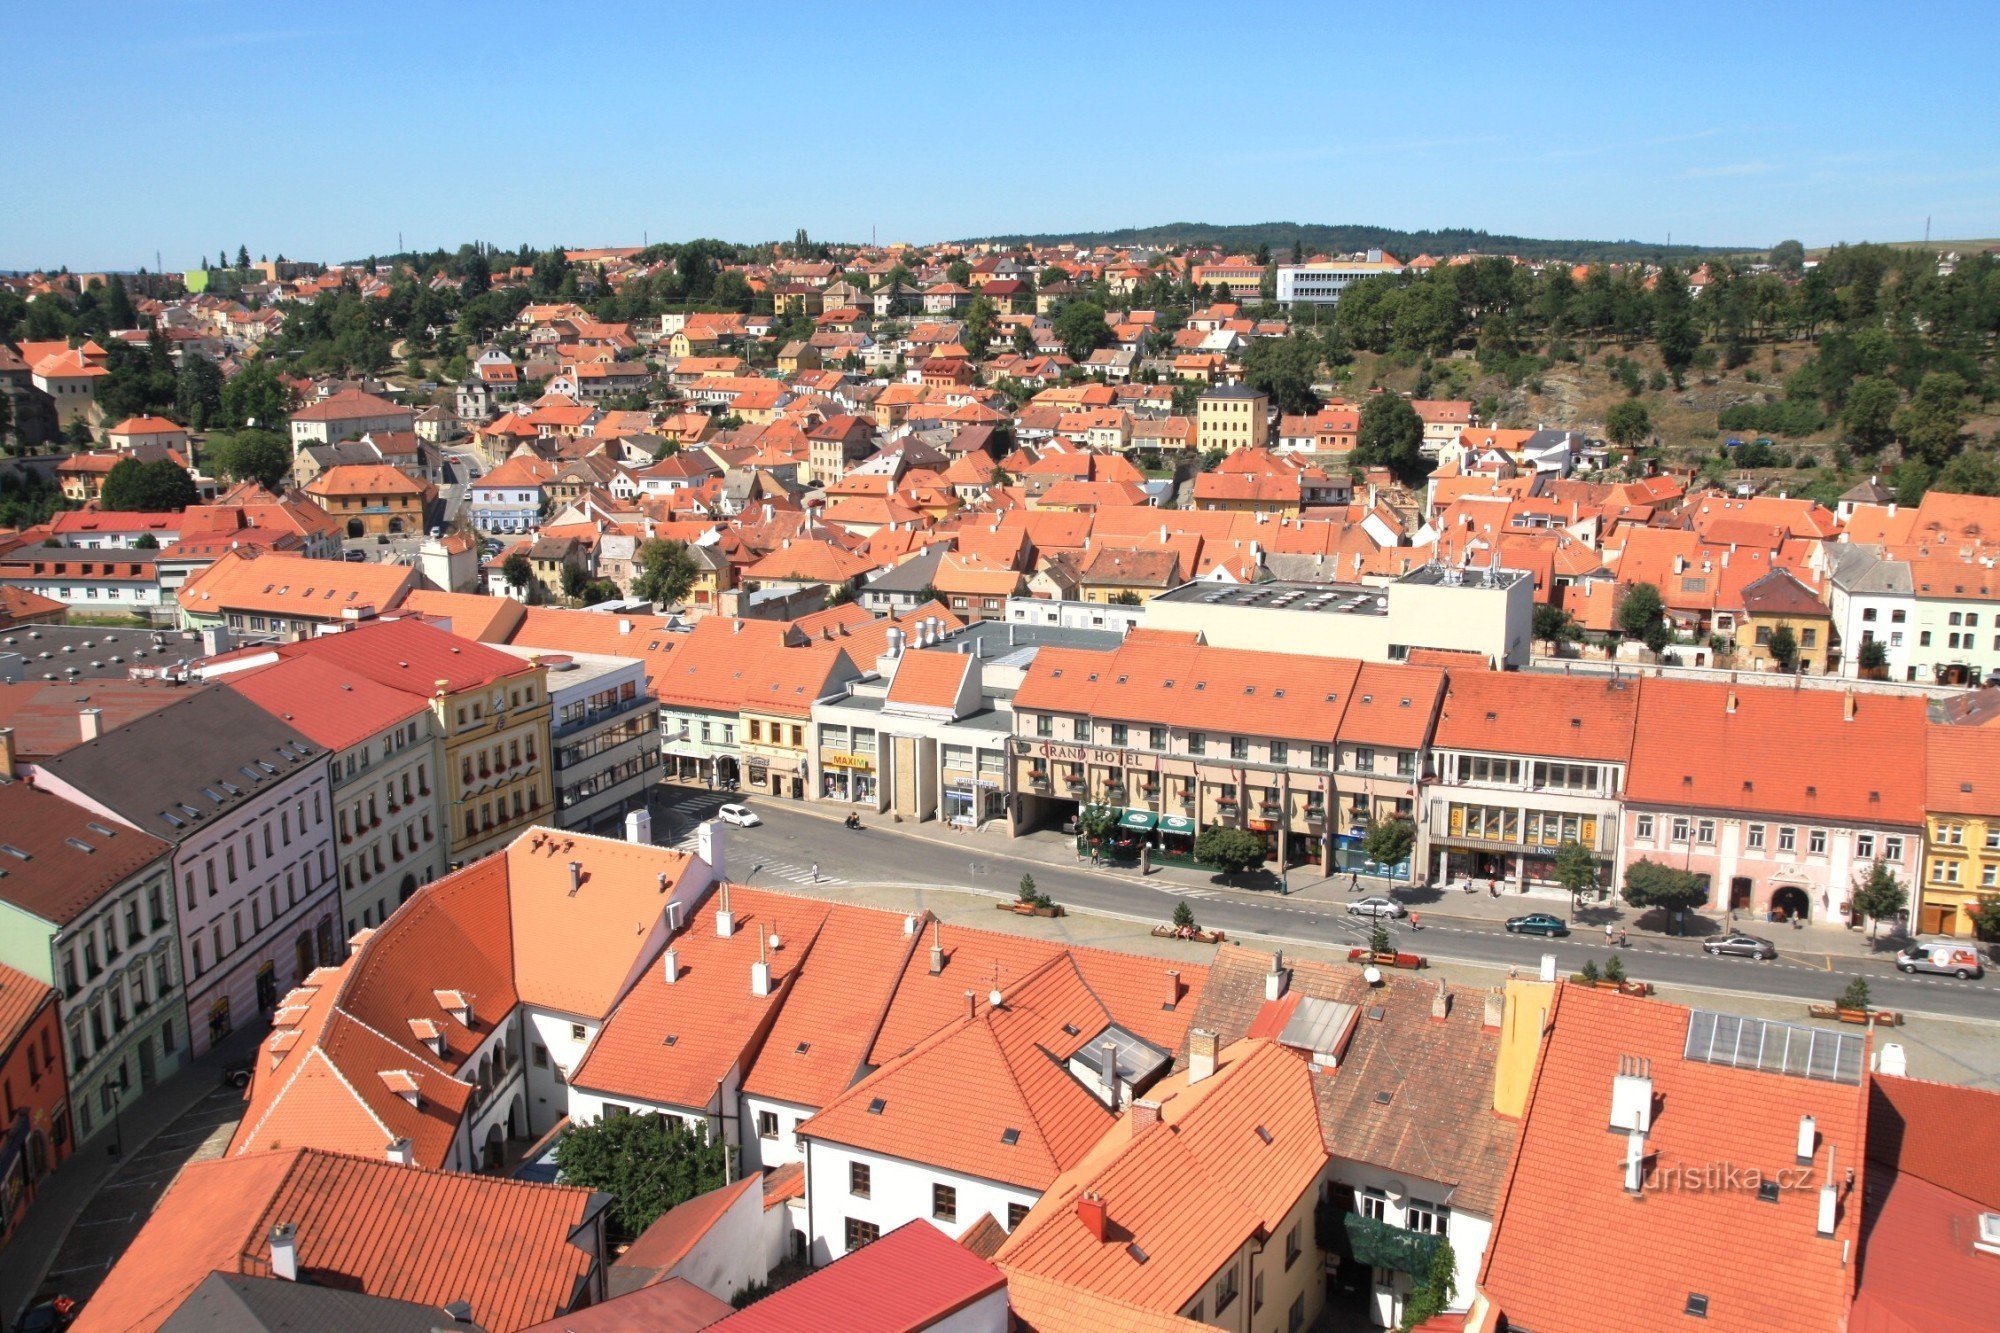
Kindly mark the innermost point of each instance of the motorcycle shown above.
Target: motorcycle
(852, 821)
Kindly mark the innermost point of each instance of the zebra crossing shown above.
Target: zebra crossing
(760, 871)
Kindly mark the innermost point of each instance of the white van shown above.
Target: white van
(1945, 957)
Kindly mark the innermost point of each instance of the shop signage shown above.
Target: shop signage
(859, 762)
(1091, 754)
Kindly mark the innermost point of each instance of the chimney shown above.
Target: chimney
(1090, 1212)
(937, 950)
(1173, 988)
(673, 916)
(910, 924)
(1441, 1001)
(1145, 1114)
(575, 878)
(1278, 979)
(1202, 1047)
(760, 971)
(1107, 1064)
(1847, 708)
(1496, 1009)
(92, 721)
(7, 753)
(709, 847)
(401, 1153)
(725, 920)
(670, 966)
(972, 1004)
(285, 1252)
(639, 827)
(1730, 705)
(1808, 1139)
(1548, 971)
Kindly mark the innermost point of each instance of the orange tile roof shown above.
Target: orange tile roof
(275, 582)
(1044, 1305)
(1781, 751)
(1759, 1264)
(1227, 1161)
(1180, 683)
(1525, 714)
(400, 1232)
(1959, 768)
(472, 615)
(21, 998)
(360, 479)
(928, 678)
(326, 704)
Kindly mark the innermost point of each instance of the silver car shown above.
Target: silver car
(1741, 946)
(1376, 907)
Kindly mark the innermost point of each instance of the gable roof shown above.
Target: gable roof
(913, 1277)
(61, 857)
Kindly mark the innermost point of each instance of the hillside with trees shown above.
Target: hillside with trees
(1290, 239)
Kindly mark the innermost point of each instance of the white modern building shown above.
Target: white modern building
(1322, 282)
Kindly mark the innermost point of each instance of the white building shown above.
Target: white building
(604, 730)
(1321, 283)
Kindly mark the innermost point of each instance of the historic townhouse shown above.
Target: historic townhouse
(1522, 764)
(1177, 736)
(1784, 799)
(1961, 828)
(243, 797)
(86, 905)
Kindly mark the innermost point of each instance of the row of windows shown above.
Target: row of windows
(110, 1013)
(201, 961)
(1947, 872)
(489, 812)
(283, 824)
(1953, 835)
(1682, 828)
(777, 730)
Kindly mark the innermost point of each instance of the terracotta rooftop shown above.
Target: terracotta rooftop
(57, 858)
(912, 1278)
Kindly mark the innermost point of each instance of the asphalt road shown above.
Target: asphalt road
(789, 844)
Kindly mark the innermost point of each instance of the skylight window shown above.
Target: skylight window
(670, 1039)
(14, 852)
(1010, 1136)
(876, 1107)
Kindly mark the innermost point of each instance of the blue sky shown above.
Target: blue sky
(322, 132)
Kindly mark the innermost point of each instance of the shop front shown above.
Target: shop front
(971, 801)
(848, 777)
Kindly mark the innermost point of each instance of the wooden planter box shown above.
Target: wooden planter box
(1409, 960)
(1023, 909)
(1196, 937)
(1882, 1017)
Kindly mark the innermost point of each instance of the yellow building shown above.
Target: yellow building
(495, 723)
(1961, 829)
(1775, 601)
(1231, 417)
(372, 499)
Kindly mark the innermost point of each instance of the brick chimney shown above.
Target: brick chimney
(1090, 1211)
(1496, 1009)
(1202, 1049)
(1441, 1002)
(1173, 989)
(1145, 1114)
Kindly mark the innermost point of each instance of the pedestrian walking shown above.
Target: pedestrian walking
(1416, 921)
(1353, 882)
(815, 872)
(1609, 932)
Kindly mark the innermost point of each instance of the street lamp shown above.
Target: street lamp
(117, 1126)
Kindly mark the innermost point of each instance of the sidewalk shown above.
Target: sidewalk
(1055, 849)
(64, 1195)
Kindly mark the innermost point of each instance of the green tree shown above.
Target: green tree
(1184, 916)
(160, 486)
(959, 273)
(1674, 331)
(1783, 647)
(146, 541)
(1392, 436)
(254, 396)
(1125, 598)
(574, 580)
(1434, 1288)
(1284, 368)
(980, 319)
(1969, 473)
(1628, 422)
(516, 570)
(1986, 918)
(1576, 870)
(1873, 656)
(1881, 895)
(1649, 884)
(1081, 328)
(1642, 615)
(1788, 257)
(1856, 997)
(198, 393)
(1930, 424)
(261, 456)
(1230, 850)
(666, 572)
(1869, 413)
(647, 1164)
(1554, 625)
(1389, 842)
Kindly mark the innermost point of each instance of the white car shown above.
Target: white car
(740, 815)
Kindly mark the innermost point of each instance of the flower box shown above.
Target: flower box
(1028, 909)
(1194, 936)
(1409, 960)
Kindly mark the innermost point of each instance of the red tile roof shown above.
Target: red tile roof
(1639, 1258)
(21, 998)
(911, 1278)
(1523, 714)
(57, 878)
(928, 678)
(330, 706)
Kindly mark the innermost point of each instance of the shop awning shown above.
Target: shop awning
(1177, 824)
(1142, 820)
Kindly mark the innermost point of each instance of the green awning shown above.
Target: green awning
(1142, 820)
(1177, 824)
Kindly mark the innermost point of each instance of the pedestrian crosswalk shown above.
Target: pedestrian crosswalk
(759, 872)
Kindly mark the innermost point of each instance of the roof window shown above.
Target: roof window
(1010, 1136)
(1697, 1305)
(876, 1106)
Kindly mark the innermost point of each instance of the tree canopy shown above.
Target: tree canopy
(647, 1164)
(160, 486)
(262, 456)
(1392, 436)
(666, 572)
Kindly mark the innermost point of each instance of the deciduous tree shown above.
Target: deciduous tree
(645, 1163)
(1392, 436)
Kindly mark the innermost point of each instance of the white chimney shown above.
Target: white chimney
(910, 924)
(1548, 972)
(1632, 1095)
(285, 1252)
(1277, 979)
(1808, 1139)
(670, 966)
(708, 847)
(1635, 1162)
(937, 949)
(639, 827)
(92, 722)
(1202, 1051)
(1107, 1055)
(401, 1153)
(760, 972)
(725, 920)
(1892, 1059)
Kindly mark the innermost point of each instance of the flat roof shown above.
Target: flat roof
(50, 652)
(1452, 576)
(1285, 595)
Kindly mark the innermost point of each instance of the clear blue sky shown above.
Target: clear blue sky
(322, 131)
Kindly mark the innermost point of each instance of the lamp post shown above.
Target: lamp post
(117, 1148)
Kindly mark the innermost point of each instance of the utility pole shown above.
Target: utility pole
(1927, 229)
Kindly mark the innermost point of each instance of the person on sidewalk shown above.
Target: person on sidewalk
(815, 872)
(1353, 882)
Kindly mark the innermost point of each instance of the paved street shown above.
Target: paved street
(1813, 964)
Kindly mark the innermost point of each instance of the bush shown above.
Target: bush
(1589, 972)
(1183, 916)
(1614, 968)
(1793, 417)
(1855, 996)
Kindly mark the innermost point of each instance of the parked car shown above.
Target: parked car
(1741, 946)
(1943, 958)
(1376, 907)
(740, 815)
(1537, 923)
(356, 556)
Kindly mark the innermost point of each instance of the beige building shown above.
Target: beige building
(1231, 417)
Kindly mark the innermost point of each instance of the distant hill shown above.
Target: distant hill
(1325, 239)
